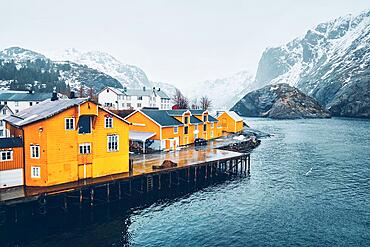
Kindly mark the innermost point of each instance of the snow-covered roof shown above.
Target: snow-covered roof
(234, 116)
(140, 135)
(43, 110)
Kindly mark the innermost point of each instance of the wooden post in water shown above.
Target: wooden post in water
(119, 191)
(65, 203)
(195, 174)
(108, 193)
(81, 198)
(159, 181)
(91, 197)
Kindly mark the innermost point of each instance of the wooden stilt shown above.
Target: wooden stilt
(108, 192)
(91, 197)
(119, 191)
(159, 182)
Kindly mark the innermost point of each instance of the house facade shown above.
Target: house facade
(67, 140)
(4, 112)
(126, 99)
(230, 121)
(21, 100)
(11, 162)
(173, 128)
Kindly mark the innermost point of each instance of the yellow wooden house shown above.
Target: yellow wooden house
(168, 129)
(230, 122)
(66, 140)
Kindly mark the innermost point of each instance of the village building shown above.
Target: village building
(230, 121)
(168, 129)
(67, 140)
(11, 162)
(20, 100)
(4, 112)
(126, 99)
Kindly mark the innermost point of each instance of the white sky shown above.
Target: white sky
(180, 42)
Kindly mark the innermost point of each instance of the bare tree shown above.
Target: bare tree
(205, 103)
(194, 104)
(180, 100)
(81, 91)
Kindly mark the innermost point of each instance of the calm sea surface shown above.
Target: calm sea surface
(309, 186)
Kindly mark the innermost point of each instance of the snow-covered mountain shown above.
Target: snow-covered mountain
(223, 92)
(330, 62)
(129, 76)
(22, 68)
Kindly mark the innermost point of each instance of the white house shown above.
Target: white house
(4, 111)
(125, 99)
(20, 100)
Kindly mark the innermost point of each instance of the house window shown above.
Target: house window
(196, 127)
(123, 104)
(85, 148)
(69, 123)
(128, 105)
(140, 98)
(112, 143)
(5, 102)
(186, 120)
(4, 112)
(211, 133)
(138, 104)
(108, 122)
(35, 172)
(35, 151)
(106, 104)
(186, 130)
(212, 125)
(16, 111)
(6, 155)
(84, 125)
(16, 103)
(204, 127)
(1, 123)
(2, 133)
(175, 129)
(30, 103)
(205, 118)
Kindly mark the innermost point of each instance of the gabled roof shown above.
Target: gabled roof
(161, 117)
(6, 107)
(212, 119)
(138, 92)
(234, 116)
(11, 142)
(23, 96)
(43, 110)
(197, 112)
(195, 120)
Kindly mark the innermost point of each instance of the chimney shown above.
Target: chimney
(54, 96)
(72, 95)
(30, 91)
(125, 89)
(153, 88)
(143, 88)
(159, 89)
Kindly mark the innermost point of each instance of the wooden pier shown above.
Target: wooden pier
(193, 167)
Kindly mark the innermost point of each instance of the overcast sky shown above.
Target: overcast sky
(173, 41)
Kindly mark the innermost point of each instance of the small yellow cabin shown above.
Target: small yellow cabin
(168, 129)
(67, 140)
(230, 122)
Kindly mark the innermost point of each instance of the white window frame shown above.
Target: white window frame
(66, 122)
(16, 103)
(211, 134)
(35, 172)
(6, 152)
(86, 148)
(212, 125)
(176, 129)
(108, 122)
(37, 151)
(109, 140)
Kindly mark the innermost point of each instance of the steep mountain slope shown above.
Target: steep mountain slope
(223, 92)
(22, 69)
(330, 63)
(128, 75)
(279, 101)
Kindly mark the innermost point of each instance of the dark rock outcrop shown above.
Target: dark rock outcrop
(279, 101)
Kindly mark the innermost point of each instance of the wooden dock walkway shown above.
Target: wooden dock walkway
(193, 165)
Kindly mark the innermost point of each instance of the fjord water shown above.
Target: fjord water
(309, 186)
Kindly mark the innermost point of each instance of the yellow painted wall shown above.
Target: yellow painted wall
(148, 124)
(229, 124)
(59, 158)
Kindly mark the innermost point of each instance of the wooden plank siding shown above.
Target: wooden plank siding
(17, 161)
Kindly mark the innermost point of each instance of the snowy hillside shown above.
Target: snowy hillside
(21, 69)
(223, 92)
(129, 75)
(330, 62)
